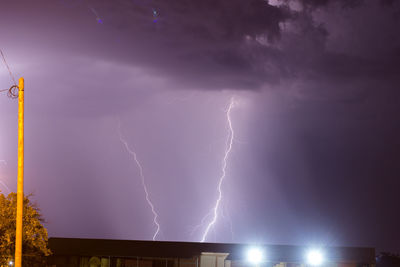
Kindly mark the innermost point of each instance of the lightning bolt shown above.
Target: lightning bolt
(142, 177)
(228, 149)
(201, 224)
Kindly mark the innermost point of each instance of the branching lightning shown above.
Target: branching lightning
(201, 224)
(228, 149)
(143, 180)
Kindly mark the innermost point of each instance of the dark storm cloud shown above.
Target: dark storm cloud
(247, 43)
(343, 3)
(200, 39)
(319, 3)
(321, 59)
(205, 21)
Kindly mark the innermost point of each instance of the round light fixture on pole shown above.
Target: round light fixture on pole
(315, 257)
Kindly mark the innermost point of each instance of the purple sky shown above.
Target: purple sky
(315, 160)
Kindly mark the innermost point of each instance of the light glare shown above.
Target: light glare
(315, 257)
(254, 255)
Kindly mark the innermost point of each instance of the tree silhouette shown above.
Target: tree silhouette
(34, 237)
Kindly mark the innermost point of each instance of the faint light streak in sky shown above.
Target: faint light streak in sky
(5, 186)
(228, 149)
(98, 19)
(142, 177)
(2, 161)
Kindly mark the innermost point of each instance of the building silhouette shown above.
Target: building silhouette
(75, 252)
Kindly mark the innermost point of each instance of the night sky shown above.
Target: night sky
(315, 158)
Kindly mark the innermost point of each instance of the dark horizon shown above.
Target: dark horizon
(168, 249)
(314, 158)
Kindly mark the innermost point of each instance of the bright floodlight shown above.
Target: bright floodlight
(255, 255)
(10, 263)
(315, 257)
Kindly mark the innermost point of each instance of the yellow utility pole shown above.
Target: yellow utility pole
(20, 189)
